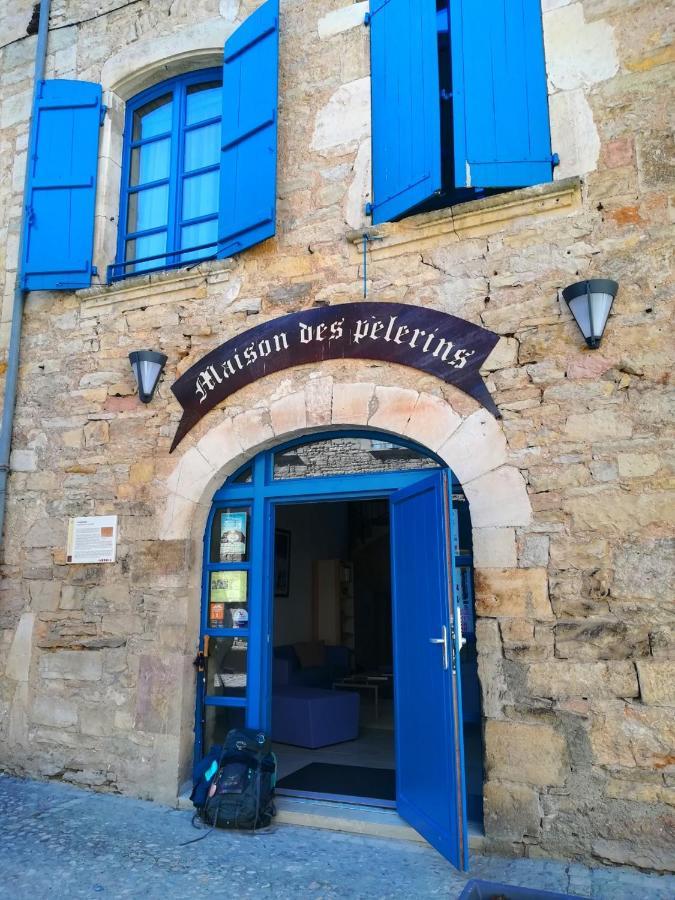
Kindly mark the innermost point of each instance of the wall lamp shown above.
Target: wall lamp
(590, 303)
(147, 366)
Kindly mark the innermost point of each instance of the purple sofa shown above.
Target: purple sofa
(311, 717)
(287, 671)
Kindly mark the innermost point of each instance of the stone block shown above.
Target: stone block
(534, 549)
(44, 595)
(392, 408)
(644, 570)
(55, 712)
(511, 811)
(633, 736)
(478, 446)
(597, 638)
(504, 356)
(221, 446)
(96, 433)
(638, 465)
(522, 753)
(23, 461)
(253, 428)
(578, 53)
(557, 680)
(432, 422)
(71, 665)
(574, 134)
(351, 403)
(191, 476)
(519, 593)
(344, 121)
(657, 681)
(599, 425)
(157, 689)
(499, 499)
(141, 472)
(342, 19)
(289, 414)
(19, 656)
(494, 548)
(319, 401)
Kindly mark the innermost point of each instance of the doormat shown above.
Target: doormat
(328, 781)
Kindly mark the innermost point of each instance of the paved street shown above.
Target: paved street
(59, 841)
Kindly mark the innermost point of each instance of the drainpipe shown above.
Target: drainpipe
(19, 294)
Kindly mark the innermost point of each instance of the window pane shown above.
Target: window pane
(218, 721)
(203, 102)
(202, 147)
(146, 246)
(150, 162)
(197, 236)
(148, 209)
(244, 477)
(200, 195)
(229, 536)
(153, 118)
(347, 456)
(226, 667)
(228, 600)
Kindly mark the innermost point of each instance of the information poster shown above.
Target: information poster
(92, 539)
(233, 536)
(227, 603)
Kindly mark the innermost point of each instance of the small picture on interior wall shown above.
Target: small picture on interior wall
(282, 562)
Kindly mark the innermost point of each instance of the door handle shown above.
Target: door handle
(443, 640)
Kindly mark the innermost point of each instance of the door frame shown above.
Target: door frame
(261, 496)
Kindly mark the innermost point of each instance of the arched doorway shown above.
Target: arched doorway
(338, 484)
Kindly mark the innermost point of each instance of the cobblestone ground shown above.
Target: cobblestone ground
(59, 841)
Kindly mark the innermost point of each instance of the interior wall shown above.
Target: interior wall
(318, 531)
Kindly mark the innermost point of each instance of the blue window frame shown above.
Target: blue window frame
(170, 175)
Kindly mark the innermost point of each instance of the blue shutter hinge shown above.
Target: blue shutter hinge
(555, 160)
(446, 95)
(104, 110)
(370, 209)
(367, 19)
(94, 270)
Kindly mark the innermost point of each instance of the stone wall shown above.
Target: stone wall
(570, 495)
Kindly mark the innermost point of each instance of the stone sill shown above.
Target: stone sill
(466, 220)
(150, 290)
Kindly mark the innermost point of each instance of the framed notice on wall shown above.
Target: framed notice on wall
(92, 539)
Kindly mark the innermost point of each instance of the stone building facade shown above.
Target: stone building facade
(570, 492)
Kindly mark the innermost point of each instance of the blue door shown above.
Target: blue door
(429, 767)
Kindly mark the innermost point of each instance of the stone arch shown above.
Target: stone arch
(472, 444)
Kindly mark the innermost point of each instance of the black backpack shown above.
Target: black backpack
(238, 790)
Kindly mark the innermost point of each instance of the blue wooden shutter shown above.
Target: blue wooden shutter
(406, 106)
(248, 165)
(500, 102)
(60, 200)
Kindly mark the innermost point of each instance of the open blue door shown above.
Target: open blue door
(430, 792)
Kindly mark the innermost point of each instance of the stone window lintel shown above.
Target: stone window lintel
(466, 220)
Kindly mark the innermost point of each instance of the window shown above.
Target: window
(199, 166)
(170, 175)
(459, 98)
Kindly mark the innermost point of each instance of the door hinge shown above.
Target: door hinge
(94, 270)
(370, 209)
(103, 111)
(367, 19)
(555, 160)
